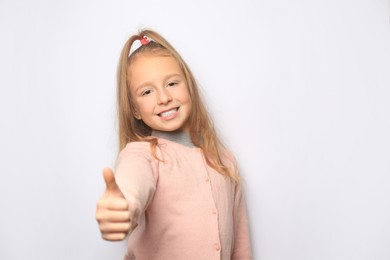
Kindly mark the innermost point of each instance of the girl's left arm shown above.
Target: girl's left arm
(242, 244)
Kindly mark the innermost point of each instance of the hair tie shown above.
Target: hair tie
(144, 40)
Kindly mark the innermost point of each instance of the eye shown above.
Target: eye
(146, 92)
(172, 84)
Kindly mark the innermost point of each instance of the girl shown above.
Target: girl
(176, 189)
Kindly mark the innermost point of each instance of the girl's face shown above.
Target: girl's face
(160, 93)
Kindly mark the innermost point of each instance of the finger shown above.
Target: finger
(109, 227)
(114, 236)
(109, 179)
(113, 216)
(110, 203)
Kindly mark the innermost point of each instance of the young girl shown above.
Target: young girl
(176, 189)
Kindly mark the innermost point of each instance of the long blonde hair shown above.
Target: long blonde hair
(202, 132)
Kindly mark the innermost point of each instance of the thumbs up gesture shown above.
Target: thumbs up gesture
(112, 212)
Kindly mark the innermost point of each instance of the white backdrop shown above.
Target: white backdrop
(300, 91)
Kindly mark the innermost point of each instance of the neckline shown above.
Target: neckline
(180, 137)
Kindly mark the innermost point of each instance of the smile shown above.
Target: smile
(168, 113)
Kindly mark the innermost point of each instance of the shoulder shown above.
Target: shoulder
(136, 150)
(228, 158)
(230, 162)
(141, 146)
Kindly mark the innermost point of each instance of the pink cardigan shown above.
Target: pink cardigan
(181, 207)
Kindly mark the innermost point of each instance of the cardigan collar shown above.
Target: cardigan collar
(175, 136)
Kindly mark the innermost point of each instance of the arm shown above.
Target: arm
(127, 194)
(136, 177)
(242, 245)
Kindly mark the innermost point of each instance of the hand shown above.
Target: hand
(112, 211)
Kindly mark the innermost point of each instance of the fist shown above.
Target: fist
(112, 210)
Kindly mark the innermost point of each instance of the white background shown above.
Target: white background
(300, 91)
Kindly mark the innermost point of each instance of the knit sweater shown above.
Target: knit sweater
(181, 207)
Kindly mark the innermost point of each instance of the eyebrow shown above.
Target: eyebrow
(165, 79)
(172, 75)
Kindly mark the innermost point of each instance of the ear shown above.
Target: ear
(136, 114)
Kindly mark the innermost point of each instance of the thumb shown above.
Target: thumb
(109, 179)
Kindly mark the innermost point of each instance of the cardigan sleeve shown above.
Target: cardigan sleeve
(242, 244)
(136, 176)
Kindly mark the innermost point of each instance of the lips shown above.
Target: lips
(168, 113)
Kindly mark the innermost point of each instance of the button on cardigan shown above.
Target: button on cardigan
(181, 208)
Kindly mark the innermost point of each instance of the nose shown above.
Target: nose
(164, 97)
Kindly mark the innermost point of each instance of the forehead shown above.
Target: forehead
(146, 67)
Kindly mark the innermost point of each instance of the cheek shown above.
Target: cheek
(134, 105)
(139, 107)
(189, 104)
(189, 101)
(186, 97)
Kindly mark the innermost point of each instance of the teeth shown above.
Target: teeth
(168, 113)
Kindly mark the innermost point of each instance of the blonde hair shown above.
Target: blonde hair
(202, 132)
